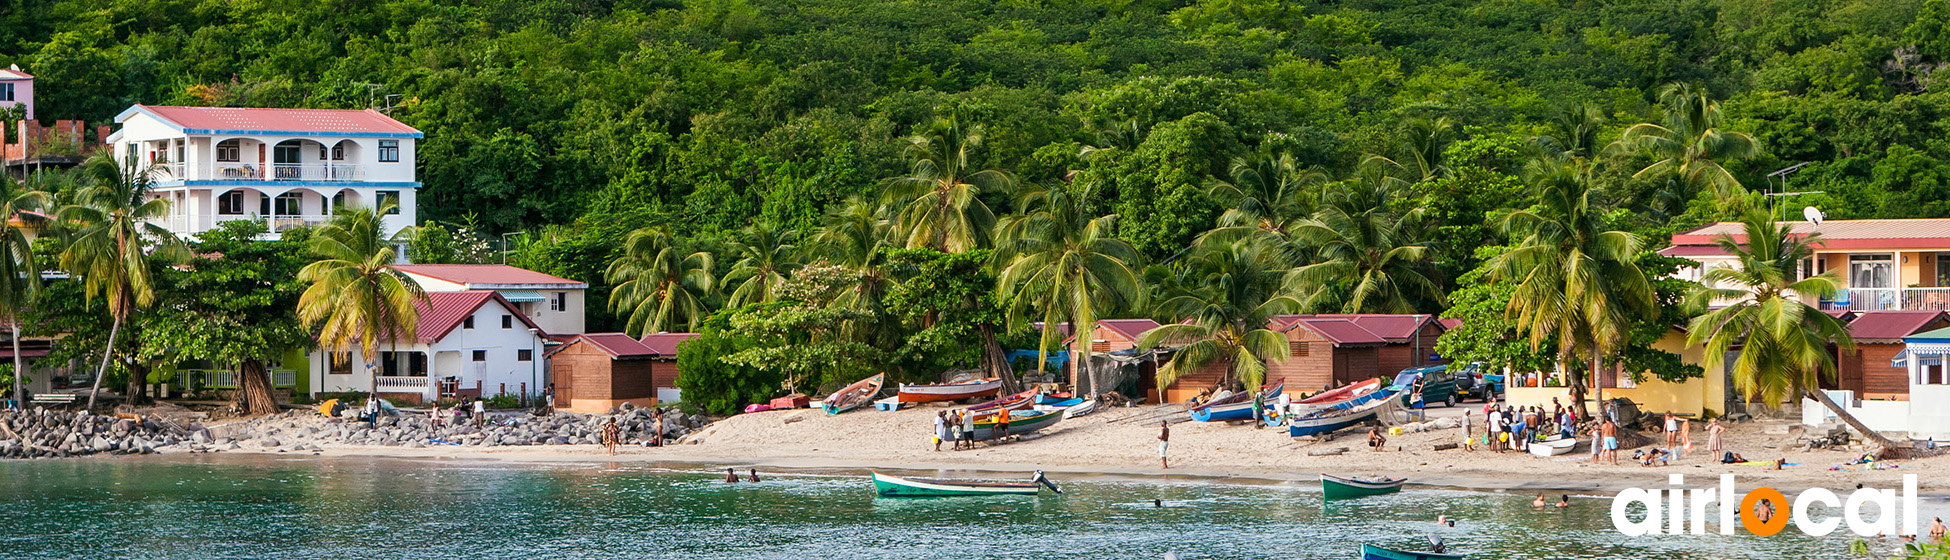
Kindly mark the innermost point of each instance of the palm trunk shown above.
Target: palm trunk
(19, 368)
(1872, 435)
(254, 389)
(1082, 356)
(138, 383)
(113, 329)
(1597, 378)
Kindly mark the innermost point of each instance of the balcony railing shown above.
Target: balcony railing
(279, 172)
(1883, 299)
(401, 384)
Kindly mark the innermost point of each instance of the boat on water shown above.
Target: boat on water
(1553, 446)
(1339, 416)
(1333, 397)
(1372, 552)
(902, 487)
(1241, 407)
(1341, 488)
(859, 393)
(1019, 423)
(1018, 401)
(942, 392)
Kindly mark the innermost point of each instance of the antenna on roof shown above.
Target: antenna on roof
(1781, 191)
(377, 100)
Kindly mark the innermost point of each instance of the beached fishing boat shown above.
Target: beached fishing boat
(859, 393)
(942, 392)
(1337, 396)
(1082, 408)
(1018, 401)
(1048, 405)
(1341, 488)
(1240, 407)
(1053, 398)
(1554, 445)
(1372, 552)
(1019, 423)
(902, 487)
(1340, 416)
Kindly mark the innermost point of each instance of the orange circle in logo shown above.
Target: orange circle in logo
(1774, 523)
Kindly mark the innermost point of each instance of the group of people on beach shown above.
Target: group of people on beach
(467, 410)
(1509, 429)
(958, 428)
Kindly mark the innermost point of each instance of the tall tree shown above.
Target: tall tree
(1575, 279)
(1689, 147)
(1064, 264)
(1782, 341)
(937, 204)
(20, 269)
(1222, 313)
(766, 256)
(1269, 191)
(232, 306)
(659, 285)
(355, 299)
(111, 241)
(1370, 258)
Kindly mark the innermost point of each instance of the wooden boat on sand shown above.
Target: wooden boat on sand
(1333, 397)
(1019, 423)
(1018, 401)
(1339, 416)
(859, 393)
(1238, 410)
(1341, 488)
(1372, 552)
(902, 487)
(940, 392)
(1553, 446)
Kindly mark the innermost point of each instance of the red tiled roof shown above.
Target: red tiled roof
(442, 312)
(1394, 327)
(666, 343)
(1692, 251)
(1449, 324)
(12, 74)
(1131, 328)
(1843, 314)
(1341, 332)
(1885, 235)
(255, 119)
(617, 345)
(483, 274)
(1890, 326)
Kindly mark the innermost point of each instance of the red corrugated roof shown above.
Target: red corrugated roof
(1449, 324)
(291, 120)
(666, 343)
(1394, 327)
(1921, 233)
(1692, 251)
(471, 274)
(1131, 328)
(1890, 326)
(11, 74)
(1341, 332)
(442, 312)
(617, 345)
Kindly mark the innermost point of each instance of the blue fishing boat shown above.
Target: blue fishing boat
(1240, 409)
(1339, 416)
(1372, 552)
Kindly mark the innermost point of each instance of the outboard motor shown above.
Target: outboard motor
(1044, 480)
(1436, 544)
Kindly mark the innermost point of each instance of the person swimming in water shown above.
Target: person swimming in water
(730, 474)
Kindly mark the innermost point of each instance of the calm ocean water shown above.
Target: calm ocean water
(245, 507)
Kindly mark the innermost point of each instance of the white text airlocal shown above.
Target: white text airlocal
(1868, 512)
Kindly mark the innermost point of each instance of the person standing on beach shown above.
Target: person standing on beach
(433, 418)
(954, 430)
(1495, 428)
(1469, 433)
(1713, 429)
(612, 435)
(940, 429)
(968, 429)
(1164, 444)
(1672, 430)
(1002, 422)
(372, 412)
(548, 401)
(480, 411)
(1610, 433)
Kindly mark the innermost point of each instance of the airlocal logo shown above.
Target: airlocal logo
(1675, 506)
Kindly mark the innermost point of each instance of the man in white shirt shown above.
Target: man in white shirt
(480, 412)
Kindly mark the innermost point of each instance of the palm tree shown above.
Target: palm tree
(1371, 260)
(1424, 140)
(767, 256)
(936, 204)
(356, 298)
(112, 239)
(20, 270)
(1234, 292)
(1783, 341)
(658, 284)
(1269, 191)
(1689, 146)
(1574, 278)
(1065, 264)
(852, 238)
(1573, 131)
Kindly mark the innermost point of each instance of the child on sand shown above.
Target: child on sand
(612, 435)
(1713, 429)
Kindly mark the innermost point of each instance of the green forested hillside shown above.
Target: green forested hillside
(580, 120)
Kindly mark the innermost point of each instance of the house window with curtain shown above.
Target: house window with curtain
(389, 151)
(231, 203)
(229, 152)
(291, 204)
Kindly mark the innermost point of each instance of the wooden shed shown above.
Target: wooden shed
(593, 373)
(1410, 337)
(1326, 352)
(1878, 339)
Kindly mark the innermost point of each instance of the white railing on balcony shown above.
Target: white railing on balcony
(192, 379)
(1882, 299)
(278, 224)
(400, 384)
(283, 172)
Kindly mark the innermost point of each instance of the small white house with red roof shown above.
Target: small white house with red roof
(553, 302)
(284, 167)
(471, 343)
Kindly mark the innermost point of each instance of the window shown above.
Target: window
(507, 321)
(339, 365)
(179, 151)
(467, 323)
(525, 355)
(338, 152)
(291, 204)
(389, 197)
(231, 203)
(263, 205)
(480, 355)
(389, 150)
(1297, 348)
(560, 302)
(1870, 271)
(228, 152)
(323, 153)
(7, 91)
(389, 363)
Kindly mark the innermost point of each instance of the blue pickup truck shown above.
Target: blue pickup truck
(1475, 383)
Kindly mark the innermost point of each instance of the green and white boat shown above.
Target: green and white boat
(891, 486)
(1019, 423)
(1340, 488)
(1372, 552)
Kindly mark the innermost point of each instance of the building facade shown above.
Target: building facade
(471, 343)
(554, 303)
(1883, 264)
(285, 167)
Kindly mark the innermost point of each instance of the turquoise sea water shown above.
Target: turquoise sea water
(276, 507)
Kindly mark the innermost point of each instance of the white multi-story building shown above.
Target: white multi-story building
(285, 167)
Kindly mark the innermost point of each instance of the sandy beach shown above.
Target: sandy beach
(1122, 441)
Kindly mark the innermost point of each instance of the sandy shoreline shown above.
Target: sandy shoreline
(1114, 443)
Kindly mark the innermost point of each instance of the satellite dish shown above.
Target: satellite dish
(1813, 215)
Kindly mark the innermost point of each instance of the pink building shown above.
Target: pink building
(17, 88)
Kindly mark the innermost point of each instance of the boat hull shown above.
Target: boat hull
(1341, 416)
(1372, 552)
(853, 396)
(945, 392)
(899, 487)
(1328, 399)
(1552, 447)
(987, 410)
(1224, 412)
(1019, 424)
(1339, 488)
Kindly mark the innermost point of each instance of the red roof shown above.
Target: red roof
(1844, 314)
(1692, 251)
(477, 275)
(14, 74)
(1892, 326)
(442, 312)
(1130, 328)
(253, 119)
(617, 345)
(1872, 235)
(666, 343)
(1341, 332)
(1394, 327)
(1449, 324)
